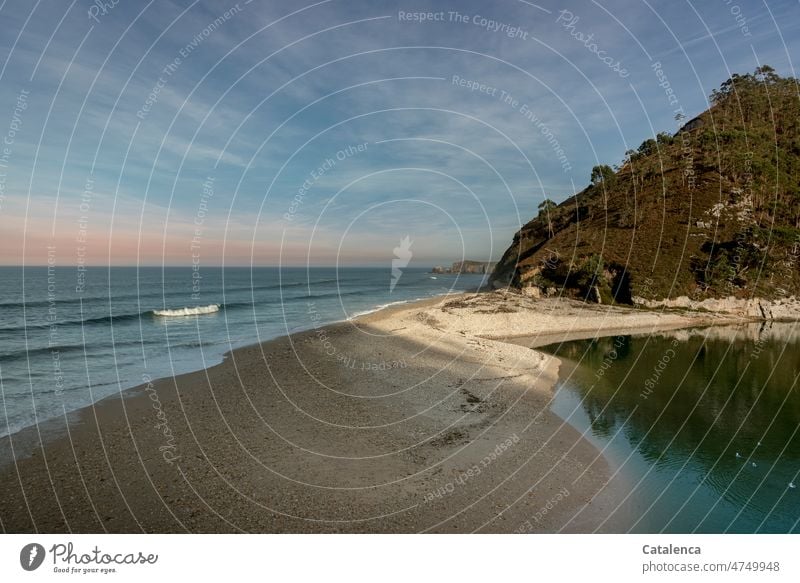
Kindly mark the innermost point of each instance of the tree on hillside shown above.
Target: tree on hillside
(602, 174)
(766, 74)
(546, 207)
(649, 146)
(664, 138)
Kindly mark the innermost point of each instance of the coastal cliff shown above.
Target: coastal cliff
(466, 266)
(710, 212)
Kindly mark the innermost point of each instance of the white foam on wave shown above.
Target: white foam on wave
(380, 307)
(196, 311)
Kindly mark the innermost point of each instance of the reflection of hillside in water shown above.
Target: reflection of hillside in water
(690, 400)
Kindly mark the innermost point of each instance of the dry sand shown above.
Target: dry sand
(417, 418)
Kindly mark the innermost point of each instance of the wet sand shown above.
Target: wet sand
(418, 418)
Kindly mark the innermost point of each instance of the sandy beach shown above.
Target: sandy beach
(424, 417)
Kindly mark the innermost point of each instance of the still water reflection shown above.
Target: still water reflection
(702, 424)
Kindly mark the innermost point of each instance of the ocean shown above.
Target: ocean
(69, 338)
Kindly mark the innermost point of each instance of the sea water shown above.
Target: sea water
(69, 338)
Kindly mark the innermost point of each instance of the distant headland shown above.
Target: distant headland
(466, 266)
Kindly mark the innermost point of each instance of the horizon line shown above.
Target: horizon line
(218, 265)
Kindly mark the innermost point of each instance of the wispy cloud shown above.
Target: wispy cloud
(464, 130)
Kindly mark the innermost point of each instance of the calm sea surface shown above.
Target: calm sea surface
(67, 342)
(702, 425)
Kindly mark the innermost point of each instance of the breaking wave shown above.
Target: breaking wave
(196, 311)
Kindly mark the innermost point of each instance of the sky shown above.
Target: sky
(324, 133)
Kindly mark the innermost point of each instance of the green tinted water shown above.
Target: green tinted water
(702, 424)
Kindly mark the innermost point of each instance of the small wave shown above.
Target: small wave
(291, 284)
(91, 349)
(196, 311)
(163, 293)
(289, 299)
(115, 318)
(378, 308)
(104, 319)
(33, 352)
(336, 294)
(84, 322)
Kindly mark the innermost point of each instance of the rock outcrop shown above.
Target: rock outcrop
(466, 266)
(759, 309)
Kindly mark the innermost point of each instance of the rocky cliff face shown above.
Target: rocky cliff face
(710, 212)
(756, 308)
(466, 266)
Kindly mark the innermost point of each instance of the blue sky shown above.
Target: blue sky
(227, 162)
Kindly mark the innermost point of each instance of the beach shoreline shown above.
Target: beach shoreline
(430, 416)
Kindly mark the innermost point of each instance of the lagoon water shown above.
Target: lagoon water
(703, 426)
(67, 342)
